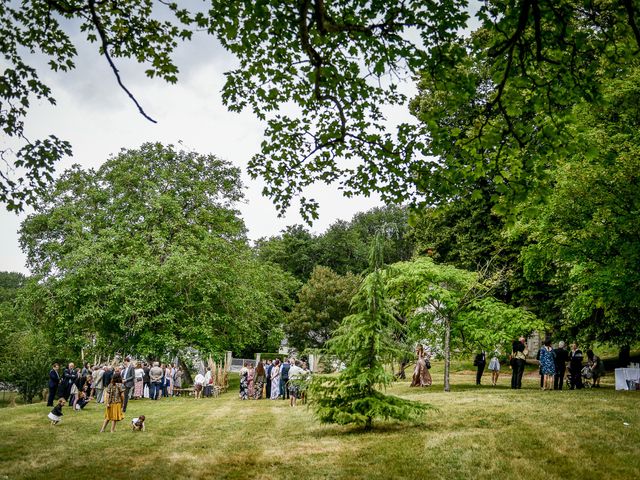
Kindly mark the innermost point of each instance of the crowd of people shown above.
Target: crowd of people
(557, 365)
(112, 386)
(140, 380)
(274, 380)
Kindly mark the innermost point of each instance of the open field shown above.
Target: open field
(477, 432)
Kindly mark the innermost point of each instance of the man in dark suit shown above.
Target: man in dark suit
(54, 381)
(106, 378)
(70, 376)
(128, 378)
(561, 357)
(480, 361)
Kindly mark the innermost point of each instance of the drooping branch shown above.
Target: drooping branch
(95, 18)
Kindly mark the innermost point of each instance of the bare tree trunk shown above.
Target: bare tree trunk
(447, 354)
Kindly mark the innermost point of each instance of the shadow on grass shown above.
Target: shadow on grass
(379, 427)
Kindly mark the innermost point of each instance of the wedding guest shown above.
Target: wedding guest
(421, 376)
(561, 356)
(129, 380)
(69, 378)
(147, 380)
(56, 414)
(208, 382)
(250, 379)
(259, 381)
(597, 367)
(138, 389)
(198, 383)
(114, 397)
(547, 365)
(295, 376)
(494, 368)
(98, 385)
(480, 362)
(244, 382)
(575, 367)
(155, 377)
(519, 352)
(177, 380)
(275, 380)
(284, 378)
(54, 382)
(267, 370)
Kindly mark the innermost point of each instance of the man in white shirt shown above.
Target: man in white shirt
(207, 383)
(295, 375)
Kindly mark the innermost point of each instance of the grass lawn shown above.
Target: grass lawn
(477, 432)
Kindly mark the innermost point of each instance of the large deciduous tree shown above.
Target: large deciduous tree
(147, 254)
(585, 237)
(322, 304)
(454, 308)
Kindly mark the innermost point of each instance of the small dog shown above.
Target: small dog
(137, 424)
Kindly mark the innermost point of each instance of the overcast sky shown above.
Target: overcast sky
(95, 115)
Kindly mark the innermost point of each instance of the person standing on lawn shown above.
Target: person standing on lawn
(494, 368)
(54, 381)
(267, 379)
(275, 380)
(129, 380)
(561, 356)
(421, 376)
(518, 360)
(70, 377)
(547, 365)
(480, 361)
(259, 381)
(575, 367)
(114, 398)
(155, 377)
(597, 367)
(284, 379)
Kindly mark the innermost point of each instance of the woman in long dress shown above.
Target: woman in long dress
(421, 375)
(250, 376)
(275, 380)
(138, 390)
(244, 383)
(259, 381)
(114, 396)
(547, 365)
(168, 380)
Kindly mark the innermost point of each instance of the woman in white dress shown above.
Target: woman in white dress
(275, 380)
(494, 367)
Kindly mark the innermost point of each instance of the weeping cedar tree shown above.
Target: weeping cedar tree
(364, 341)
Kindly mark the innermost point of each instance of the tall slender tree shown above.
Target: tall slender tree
(364, 342)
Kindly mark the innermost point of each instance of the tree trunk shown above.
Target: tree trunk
(447, 354)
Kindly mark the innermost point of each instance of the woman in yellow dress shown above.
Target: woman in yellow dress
(114, 396)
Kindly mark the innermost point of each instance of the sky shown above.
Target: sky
(96, 116)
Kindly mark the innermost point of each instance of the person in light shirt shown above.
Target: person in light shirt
(207, 383)
(197, 385)
(295, 375)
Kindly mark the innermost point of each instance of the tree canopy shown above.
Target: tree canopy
(322, 304)
(147, 254)
(336, 63)
(453, 308)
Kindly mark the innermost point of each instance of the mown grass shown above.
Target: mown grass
(476, 432)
